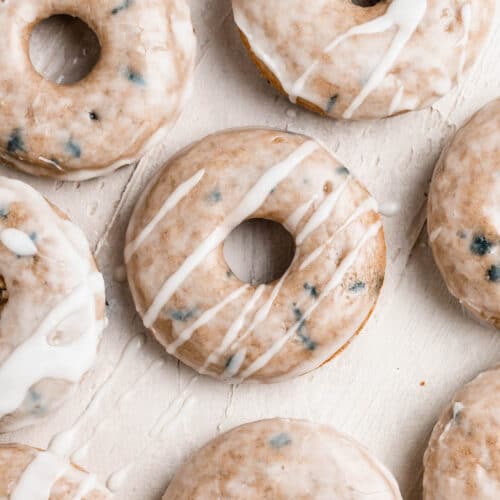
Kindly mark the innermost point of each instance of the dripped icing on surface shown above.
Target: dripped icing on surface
(18, 242)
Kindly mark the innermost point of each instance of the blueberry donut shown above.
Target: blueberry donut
(464, 215)
(267, 460)
(462, 461)
(359, 59)
(51, 308)
(114, 115)
(200, 311)
(27, 474)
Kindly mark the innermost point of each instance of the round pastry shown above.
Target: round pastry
(464, 215)
(28, 473)
(51, 308)
(364, 58)
(462, 461)
(200, 311)
(121, 109)
(267, 460)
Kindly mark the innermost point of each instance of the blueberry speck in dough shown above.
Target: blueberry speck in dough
(182, 315)
(74, 149)
(16, 142)
(480, 245)
(215, 196)
(280, 440)
(343, 171)
(124, 5)
(331, 103)
(493, 274)
(4, 213)
(311, 289)
(357, 287)
(135, 77)
(94, 116)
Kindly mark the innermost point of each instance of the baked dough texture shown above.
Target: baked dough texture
(464, 215)
(52, 308)
(27, 473)
(281, 459)
(115, 114)
(462, 461)
(200, 311)
(345, 60)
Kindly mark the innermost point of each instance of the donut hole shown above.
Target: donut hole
(259, 251)
(63, 49)
(4, 293)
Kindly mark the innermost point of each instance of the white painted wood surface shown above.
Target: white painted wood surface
(386, 390)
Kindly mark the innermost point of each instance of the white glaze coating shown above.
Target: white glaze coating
(464, 214)
(134, 93)
(283, 459)
(52, 323)
(364, 62)
(462, 461)
(200, 311)
(30, 474)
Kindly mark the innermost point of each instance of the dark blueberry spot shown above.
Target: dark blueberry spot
(182, 315)
(301, 333)
(215, 196)
(107, 303)
(331, 103)
(493, 274)
(309, 343)
(134, 77)
(311, 289)
(94, 116)
(124, 5)
(33, 236)
(365, 3)
(34, 395)
(229, 274)
(4, 213)
(480, 245)
(462, 235)
(228, 362)
(73, 149)
(343, 171)
(357, 286)
(280, 440)
(273, 190)
(16, 142)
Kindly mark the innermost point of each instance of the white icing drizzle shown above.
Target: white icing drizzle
(18, 242)
(248, 205)
(117, 479)
(171, 202)
(235, 364)
(208, 315)
(322, 213)
(406, 15)
(39, 477)
(234, 329)
(466, 13)
(294, 220)
(88, 484)
(36, 359)
(389, 209)
(367, 206)
(397, 99)
(335, 280)
(62, 442)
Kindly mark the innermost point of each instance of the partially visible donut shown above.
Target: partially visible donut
(464, 215)
(282, 459)
(462, 461)
(114, 115)
(52, 307)
(27, 474)
(200, 311)
(364, 58)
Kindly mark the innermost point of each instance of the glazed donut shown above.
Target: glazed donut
(52, 308)
(28, 473)
(464, 215)
(364, 58)
(200, 311)
(462, 461)
(119, 111)
(267, 460)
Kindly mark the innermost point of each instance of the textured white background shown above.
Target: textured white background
(373, 391)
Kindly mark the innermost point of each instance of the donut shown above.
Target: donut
(51, 308)
(364, 59)
(464, 215)
(462, 461)
(119, 111)
(193, 303)
(268, 460)
(29, 473)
